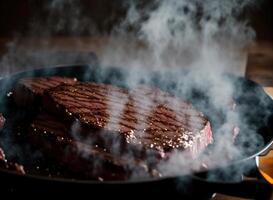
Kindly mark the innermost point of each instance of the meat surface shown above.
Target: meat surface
(103, 131)
(29, 89)
(51, 135)
(144, 118)
(2, 121)
(9, 165)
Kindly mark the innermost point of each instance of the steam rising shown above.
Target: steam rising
(207, 39)
(204, 37)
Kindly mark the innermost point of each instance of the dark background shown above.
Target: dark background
(32, 17)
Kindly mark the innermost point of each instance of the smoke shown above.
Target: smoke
(175, 33)
(190, 43)
(207, 39)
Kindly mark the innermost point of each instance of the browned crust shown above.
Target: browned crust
(166, 122)
(30, 89)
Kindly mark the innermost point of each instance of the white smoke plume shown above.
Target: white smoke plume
(206, 38)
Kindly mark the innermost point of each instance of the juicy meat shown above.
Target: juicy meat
(29, 89)
(144, 117)
(51, 135)
(10, 166)
(2, 121)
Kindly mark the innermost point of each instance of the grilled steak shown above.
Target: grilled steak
(29, 89)
(2, 121)
(143, 118)
(52, 136)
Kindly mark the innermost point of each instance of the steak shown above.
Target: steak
(144, 118)
(51, 135)
(29, 90)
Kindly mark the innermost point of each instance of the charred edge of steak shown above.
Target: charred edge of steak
(87, 103)
(29, 90)
(9, 165)
(91, 161)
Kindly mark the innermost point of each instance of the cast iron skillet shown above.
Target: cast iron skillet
(255, 106)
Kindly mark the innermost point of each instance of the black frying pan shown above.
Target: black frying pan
(248, 95)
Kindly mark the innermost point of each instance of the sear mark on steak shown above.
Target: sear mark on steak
(145, 117)
(51, 135)
(29, 89)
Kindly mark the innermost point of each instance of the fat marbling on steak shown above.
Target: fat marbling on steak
(29, 89)
(144, 118)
